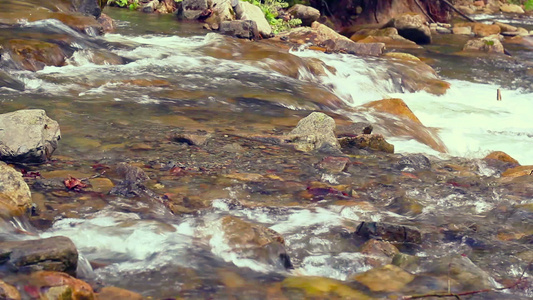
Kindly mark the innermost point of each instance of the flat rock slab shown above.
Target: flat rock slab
(50, 254)
(28, 136)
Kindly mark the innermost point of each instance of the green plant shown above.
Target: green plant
(489, 43)
(131, 4)
(270, 8)
(528, 5)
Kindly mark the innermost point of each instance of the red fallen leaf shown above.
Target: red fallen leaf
(177, 171)
(318, 193)
(32, 291)
(410, 175)
(74, 184)
(30, 174)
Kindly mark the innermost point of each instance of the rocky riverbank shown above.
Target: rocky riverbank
(248, 197)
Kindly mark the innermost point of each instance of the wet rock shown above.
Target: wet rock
(484, 30)
(413, 162)
(34, 55)
(28, 136)
(247, 11)
(8, 292)
(348, 46)
(379, 252)
(192, 9)
(375, 142)
(307, 14)
(51, 254)
(107, 23)
(402, 56)
(464, 30)
(333, 164)
(490, 44)
(501, 156)
(131, 173)
(314, 132)
(8, 81)
(462, 270)
(413, 27)
(389, 232)
(63, 284)
(403, 260)
(15, 196)
(405, 206)
(519, 171)
(389, 278)
(244, 29)
(500, 161)
(254, 241)
(511, 8)
(393, 106)
(87, 7)
(506, 27)
(322, 288)
(115, 293)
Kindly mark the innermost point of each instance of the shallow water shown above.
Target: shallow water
(180, 76)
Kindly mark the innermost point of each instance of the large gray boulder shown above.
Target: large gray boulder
(248, 11)
(244, 29)
(192, 9)
(51, 254)
(315, 132)
(15, 196)
(305, 13)
(28, 136)
(413, 27)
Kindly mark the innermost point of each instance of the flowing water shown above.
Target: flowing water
(180, 76)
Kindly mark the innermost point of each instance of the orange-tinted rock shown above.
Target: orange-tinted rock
(34, 55)
(485, 30)
(8, 291)
(115, 293)
(518, 171)
(80, 290)
(393, 106)
(389, 278)
(501, 156)
(15, 196)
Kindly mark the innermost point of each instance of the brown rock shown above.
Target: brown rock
(501, 156)
(115, 293)
(334, 164)
(379, 248)
(34, 55)
(8, 292)
(465, 30)
(374, 142)
(107, 23)
(393, 106)
(388, 278)
(490, 44)
(511, 8)
(484, 30)
(389, 232)
(53, 254)
(80, 290)
(413, 27)
(518, 171)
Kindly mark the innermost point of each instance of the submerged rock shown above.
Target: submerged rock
(8, 81)
(57, 285)
(375, 142)
(413, 162)
(314, 132)
(28, 136)
(254, 241)
(389, 232)
(8, 292)
(15, 196)
(51, 254)
(389, 278)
